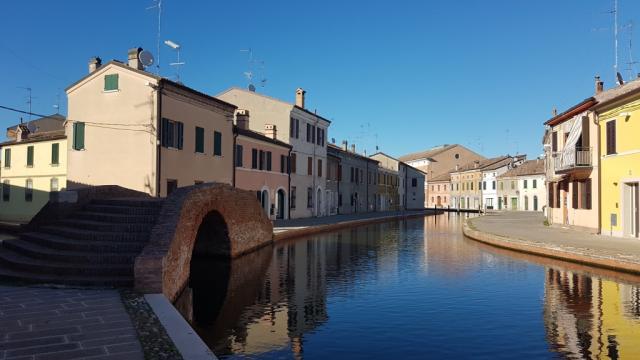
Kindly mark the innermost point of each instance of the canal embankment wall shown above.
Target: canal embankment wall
(518, 233)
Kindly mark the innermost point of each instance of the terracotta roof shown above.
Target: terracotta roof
(582, 106)
(611, 95)
(258, 136)
(443, 177)
(483, 164)
(530, 167)
(427, 153)
(39, 136)
(338, 149)
(46, 123)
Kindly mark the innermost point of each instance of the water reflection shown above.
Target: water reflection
(409, 289)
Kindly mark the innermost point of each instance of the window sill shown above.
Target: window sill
(54, 165)
(110, 91)
(83, 149)
(29, 166)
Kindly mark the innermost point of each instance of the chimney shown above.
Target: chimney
(457, 167)
(353, 148)
(134, 62)
(94, 63)
(270, 131)
(22, 133)
(300, 97)
(554, 112)
(242, 119)
(599, 85)
(476, 163)
(345, 145)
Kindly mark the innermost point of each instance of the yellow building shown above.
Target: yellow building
(32, 166)
(618, 114)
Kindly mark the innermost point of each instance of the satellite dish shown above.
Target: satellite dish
(252, 88)
(620, 80)
(145, 58)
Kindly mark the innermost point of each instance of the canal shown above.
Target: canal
(410, 289)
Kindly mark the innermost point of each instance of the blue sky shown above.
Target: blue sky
(412, 74)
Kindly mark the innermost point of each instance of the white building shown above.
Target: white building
(490, 181)
(523, 188)
(302, 129)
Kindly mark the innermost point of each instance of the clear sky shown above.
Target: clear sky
(413, 74)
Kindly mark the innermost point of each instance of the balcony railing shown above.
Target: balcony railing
(579, 157)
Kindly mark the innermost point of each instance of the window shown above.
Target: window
(172, 134)
(339, 172)
(471, 185)
(340, 199)
(268, 153)
(480, 185)
(28, 190)
(7, 158)
(320, 137)
(493, 184)
(308, 132)
(534, 183)
(199, 140)
(309, 198)
(6, 191)
(294, 163)
(414, 182)
(261, 160)
(438, 187)
(554, 141)
(254, 158)
(293, 197)
(111, 82)
(513, 185)
(217, 143)
(526, 202)
(319, 167)
(172, 185)
(198, 182)
(294, 128)
(78, 136)
(283, 164)
(356, 173)
(55, 154)
(239, 155)
(501, 185)
(313, 134)
(54, 184)
(611, 137)
(309, 165)
(30, 156)
(524, 183)
(484, 185)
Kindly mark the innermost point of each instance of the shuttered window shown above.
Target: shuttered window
(283, 163)
(294, 163)
(199, 140)
(111, 82)
(254, 158)
(575, 194)
(239, 155)
(554, 141)
(611, 137)
(309, 166)
(172, 133)
(319, 167)
(587, 194)
(30, 156)
(28, 190)
(78, 136)
(7, 158)
(268, 160)
(217, 143)
(55, 154)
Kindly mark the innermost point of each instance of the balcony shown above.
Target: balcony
(578, 158)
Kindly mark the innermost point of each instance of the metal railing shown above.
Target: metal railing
(579, 157)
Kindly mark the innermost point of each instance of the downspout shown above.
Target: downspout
(289, 181)
(159, 138)
(596, 121)
(367, 186)
(233, 161)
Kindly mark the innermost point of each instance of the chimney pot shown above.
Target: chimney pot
(345, 145)
(134, 61)
(300, 95)
(270, 131)
(94, 63)
(353, 148)
(242, 119)
(599, 85)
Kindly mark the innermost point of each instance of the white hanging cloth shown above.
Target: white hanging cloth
(569, 150)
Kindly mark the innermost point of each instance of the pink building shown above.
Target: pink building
(262, 165)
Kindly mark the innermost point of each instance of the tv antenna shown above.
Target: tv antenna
(251, 68)
(29, 98)
(157, 5)
(57, 104)
(178, 63)
(631, 65)
(614, 12)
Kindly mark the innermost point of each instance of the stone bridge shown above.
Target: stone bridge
(206, 221)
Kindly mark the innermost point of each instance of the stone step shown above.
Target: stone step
(35, 250)
(122, 210)
(140, 203)
(18, 261)
(116, 218)
(62, 243)
(101, 226)
(115, 236)
(27, 277)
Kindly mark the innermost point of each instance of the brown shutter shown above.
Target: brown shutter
(585, 132)
(574, 195)
(309, 166)
(588, 192)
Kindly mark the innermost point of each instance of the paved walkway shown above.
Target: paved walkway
(528, 228)
(44, 323)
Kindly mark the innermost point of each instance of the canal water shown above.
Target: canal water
(411, 289)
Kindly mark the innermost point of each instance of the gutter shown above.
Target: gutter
(233, 161)
(597, 123)
(159, 137)
(289, 181)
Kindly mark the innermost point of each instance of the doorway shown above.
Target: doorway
(631, 203)
(319, 203)
(565, 207)
(280, 201)
(514, 203)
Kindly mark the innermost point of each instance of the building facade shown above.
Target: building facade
(414, 194)
(490, 182)
(357, 180)
(262, 165)
(523, 187)
(306, 132)
(146, 132)
(32, 165)
(440, 192)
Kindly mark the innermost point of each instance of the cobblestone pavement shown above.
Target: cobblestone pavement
(528, 228)
(284, 225)
(44, 323)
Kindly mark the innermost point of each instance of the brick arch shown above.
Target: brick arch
(164, 264)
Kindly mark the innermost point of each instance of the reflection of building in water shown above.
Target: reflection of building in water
(590, 317)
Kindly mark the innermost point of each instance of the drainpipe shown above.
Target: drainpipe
(233, 161)
(597, 123)
(159, 138)
(367, 186)
(289, 182)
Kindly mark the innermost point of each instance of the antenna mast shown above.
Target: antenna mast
(615, 34)
(158, 6)
(29, 100)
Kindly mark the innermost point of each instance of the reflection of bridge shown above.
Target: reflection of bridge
(92, 236)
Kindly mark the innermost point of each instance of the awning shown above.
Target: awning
(568, 156)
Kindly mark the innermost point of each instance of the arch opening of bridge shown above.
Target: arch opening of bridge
(206, 221)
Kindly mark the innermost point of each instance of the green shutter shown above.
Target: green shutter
(7, 158)
(217, 143)
(111, 82)
(78, 136)
(199, 140)
(55, 154)
(30, 156)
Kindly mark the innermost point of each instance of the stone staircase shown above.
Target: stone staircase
(96, 246)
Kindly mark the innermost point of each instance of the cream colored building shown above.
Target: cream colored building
(523, 188)
(32, 165)
(129, 127)
(306, 132)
